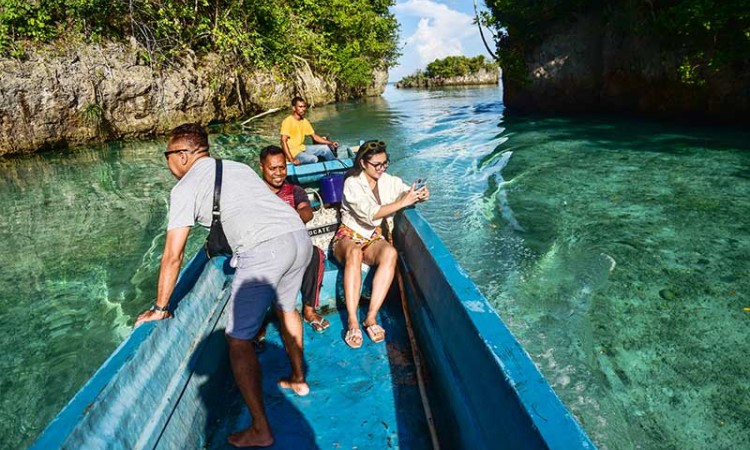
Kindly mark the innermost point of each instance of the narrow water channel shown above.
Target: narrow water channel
(616, 250)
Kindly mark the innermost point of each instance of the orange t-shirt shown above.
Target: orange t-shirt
(296, 130)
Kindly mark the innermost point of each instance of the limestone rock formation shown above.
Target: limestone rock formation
(106, 92)
(584, 66)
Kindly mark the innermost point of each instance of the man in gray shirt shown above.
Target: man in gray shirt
(271, 250)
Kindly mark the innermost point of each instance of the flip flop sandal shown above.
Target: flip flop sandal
(376, 332)
(318, 325)
(353, 338)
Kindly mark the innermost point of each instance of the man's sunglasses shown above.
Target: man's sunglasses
(167, 153)
(180, 150)
(379, 166)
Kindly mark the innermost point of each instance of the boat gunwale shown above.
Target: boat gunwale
(497, 355)
(72, 418)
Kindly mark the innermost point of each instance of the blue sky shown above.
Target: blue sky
(432, 29)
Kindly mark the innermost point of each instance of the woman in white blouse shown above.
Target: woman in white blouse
(370, 195)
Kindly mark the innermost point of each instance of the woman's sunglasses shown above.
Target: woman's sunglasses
(372, 145)
(379, 166)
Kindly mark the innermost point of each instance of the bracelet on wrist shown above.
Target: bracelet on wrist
(156, 307)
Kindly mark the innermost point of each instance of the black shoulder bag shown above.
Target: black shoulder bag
(216, 242)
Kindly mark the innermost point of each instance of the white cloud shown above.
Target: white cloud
(440, 32)
(430, 43)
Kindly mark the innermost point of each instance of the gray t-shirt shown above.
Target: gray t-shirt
(250, 212)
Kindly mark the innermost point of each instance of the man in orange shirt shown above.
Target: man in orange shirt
(293, 131)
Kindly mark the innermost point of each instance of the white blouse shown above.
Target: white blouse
(359, 205)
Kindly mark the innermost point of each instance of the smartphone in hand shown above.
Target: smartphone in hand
(419, 183)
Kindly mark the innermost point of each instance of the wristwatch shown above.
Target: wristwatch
(156, 307)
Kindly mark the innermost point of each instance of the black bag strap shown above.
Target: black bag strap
(217, 192)
(216, 242)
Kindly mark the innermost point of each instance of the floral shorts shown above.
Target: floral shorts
(361, 241)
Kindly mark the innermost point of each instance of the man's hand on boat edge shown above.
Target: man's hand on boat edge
(151, 315)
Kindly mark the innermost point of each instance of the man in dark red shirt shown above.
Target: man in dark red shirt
(273, 171)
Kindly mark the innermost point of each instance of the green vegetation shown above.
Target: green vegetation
(347, 38)
(93, 116)
(456, 66)
(452, 66)
(707, 34)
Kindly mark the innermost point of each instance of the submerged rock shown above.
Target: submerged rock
(668, 294)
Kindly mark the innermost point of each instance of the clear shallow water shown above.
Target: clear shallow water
(617, 252)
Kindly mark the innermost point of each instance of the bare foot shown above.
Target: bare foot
(251, 437)
(300, 388)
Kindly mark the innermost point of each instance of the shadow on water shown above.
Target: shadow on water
(632, 134)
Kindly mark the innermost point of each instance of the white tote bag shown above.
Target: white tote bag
(324, 223)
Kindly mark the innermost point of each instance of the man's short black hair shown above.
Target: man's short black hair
(194, 133)
(270, 151)
(297, 99)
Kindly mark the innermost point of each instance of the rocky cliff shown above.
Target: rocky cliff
(481, 77)
(585, 66)
(108, 92)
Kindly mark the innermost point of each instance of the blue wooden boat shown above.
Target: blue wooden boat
(306, 174)
(309, 174)
(450, 374)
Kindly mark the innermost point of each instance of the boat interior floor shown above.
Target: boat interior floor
(365, 398)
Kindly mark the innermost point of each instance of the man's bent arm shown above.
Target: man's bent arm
(321, 140)
(285, 149)
(174, 249)
(305, 212)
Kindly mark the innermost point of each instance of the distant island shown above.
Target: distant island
(453, 71)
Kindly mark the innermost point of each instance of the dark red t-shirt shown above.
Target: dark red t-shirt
(292, 194)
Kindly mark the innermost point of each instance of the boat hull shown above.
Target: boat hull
(307, 174)
(147, 393)
(480, 375)
(158, 387)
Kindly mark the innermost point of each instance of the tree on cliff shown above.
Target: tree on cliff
(709, 35)
(346, 38)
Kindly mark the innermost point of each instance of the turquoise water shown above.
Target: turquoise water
(615, 250)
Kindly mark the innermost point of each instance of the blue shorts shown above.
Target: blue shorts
(270, 272)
